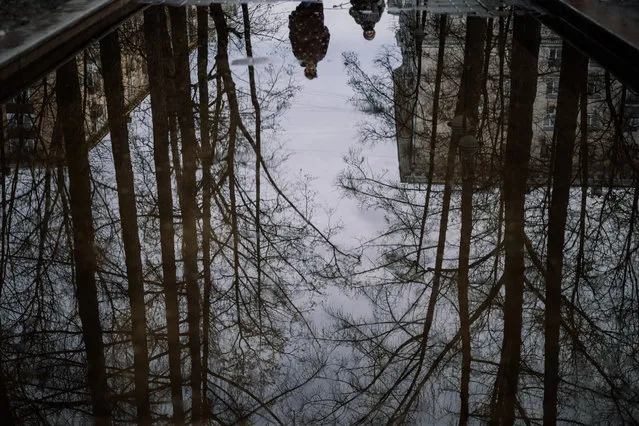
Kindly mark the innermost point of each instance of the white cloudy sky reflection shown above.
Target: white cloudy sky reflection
(322, 126)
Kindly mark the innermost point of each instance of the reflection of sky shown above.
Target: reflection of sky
(322, 124)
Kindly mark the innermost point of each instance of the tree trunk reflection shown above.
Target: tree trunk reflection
(152, 33)
(77, 161)
(574, 68)
(524, 65)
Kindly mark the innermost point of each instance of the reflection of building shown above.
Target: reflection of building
(483, 8)
(408, 128)
(413, 148)
(18, 125)
(29, 121)
(600, 125)
(28, 124)
(413, 104)
(408, 147)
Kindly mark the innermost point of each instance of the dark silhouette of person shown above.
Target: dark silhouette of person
(367, 13)
(309, 36)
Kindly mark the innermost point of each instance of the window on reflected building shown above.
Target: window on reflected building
(554, 57)
(549, 118)
(552, 88)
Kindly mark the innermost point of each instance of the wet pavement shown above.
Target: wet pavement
(619, 17)
(333, 213)
(16, 13)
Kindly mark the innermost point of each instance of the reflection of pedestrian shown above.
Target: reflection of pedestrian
(309, 37)
(367, 13)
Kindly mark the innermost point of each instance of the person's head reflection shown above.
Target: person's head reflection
(367, 13)
(369, 33)
(309, 36)
(310, 71)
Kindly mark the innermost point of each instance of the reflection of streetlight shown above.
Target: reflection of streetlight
(461, 124)
(468, 144)
(467, 148)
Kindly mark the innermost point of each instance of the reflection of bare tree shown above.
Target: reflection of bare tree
(188, 189)
(153, 31)
(434, 342)
(282, 238)
(407, 362)
(525, 51)
(113, 86)
(386, 339)
(258, 155)
(433, 130)
(262, 290)
(206, 157)
(72, 123)
(467, 103)
(573, 74)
